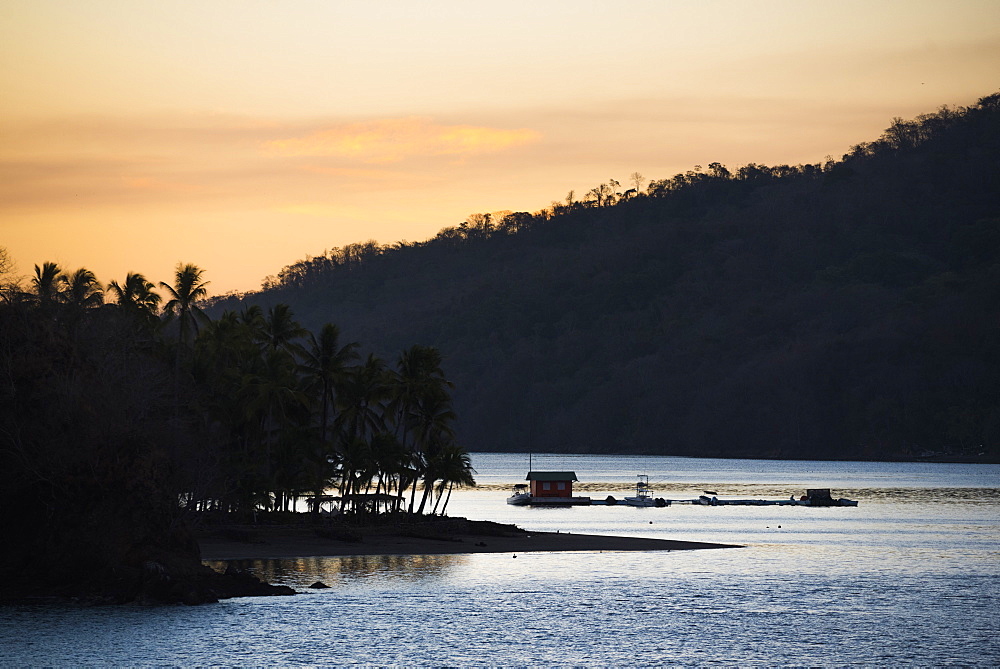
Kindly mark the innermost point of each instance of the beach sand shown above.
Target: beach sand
(454, 536)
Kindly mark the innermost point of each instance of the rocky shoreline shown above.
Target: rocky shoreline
(168, 576)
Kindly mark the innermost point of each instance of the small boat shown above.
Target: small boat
(644, 495)
(822, 497)
(520, 495)
(813, 497)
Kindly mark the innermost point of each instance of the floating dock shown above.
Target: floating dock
(813, 497)
(704, 500)
(559, 501)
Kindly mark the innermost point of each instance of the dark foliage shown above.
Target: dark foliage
(87, 446)
(119, 431)
(842, 310)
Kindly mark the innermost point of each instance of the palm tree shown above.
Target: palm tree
(454, 467)
(188, 288)
(82, 290)
(252, 316)
(324, 366)
(391, 459)
(356, 469)
(228, 364)
(418, 378)
(433, 430)
(361, 398)
(136, 295)
(280, 330)
(418, 373)
(47, 283)
(274, 404)
(362, 395)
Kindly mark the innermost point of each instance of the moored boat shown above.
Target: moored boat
(520, 495)
(822, 497)
(644, 495)
(813, 497)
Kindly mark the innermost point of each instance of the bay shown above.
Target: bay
(911, 576)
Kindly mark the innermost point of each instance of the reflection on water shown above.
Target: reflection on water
(350, 570)
(599, 490)
(909, 577)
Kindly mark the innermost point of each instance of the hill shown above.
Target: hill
(841, 310)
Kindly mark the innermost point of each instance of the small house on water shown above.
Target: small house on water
(551, 484)
(553, 488)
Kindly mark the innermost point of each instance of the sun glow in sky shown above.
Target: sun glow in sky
(242, 135)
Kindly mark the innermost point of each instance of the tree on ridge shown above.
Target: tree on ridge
(82, 289)
(136, 295)
(188, 288)
(47, 283)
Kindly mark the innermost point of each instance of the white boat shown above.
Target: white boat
(644, 495)
(520, 496)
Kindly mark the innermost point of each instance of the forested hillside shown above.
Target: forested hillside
(841, 310)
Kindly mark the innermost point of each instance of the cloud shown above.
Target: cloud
(395, 140)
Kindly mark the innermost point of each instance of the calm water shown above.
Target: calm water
(910, 576)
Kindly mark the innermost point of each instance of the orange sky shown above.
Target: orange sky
(242, 135)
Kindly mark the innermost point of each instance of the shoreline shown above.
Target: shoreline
(453, 537)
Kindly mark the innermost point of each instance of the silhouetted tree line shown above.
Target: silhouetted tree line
(835, 310)
(279, 412)
(120, 420)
